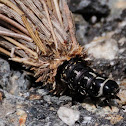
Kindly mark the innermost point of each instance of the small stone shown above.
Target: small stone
(3, 122)
(34, 97)
(42, 92)
(93, 19)
(47, 98)
(114, 118)
(87, 120)
(68, 115)
(103, 48)
(122, 96)
(107, 110)
(90, 107)
(101, 111)
(22, 117)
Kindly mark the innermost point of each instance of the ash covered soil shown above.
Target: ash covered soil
(101, 29)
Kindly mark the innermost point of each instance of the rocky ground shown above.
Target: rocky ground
(101, 29)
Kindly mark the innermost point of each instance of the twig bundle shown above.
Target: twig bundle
(39, 34)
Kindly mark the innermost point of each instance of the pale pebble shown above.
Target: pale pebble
(68, 115)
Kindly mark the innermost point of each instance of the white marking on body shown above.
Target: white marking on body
(81, 87)
(71, 86)
(77, 72)
(100, 78)
(94, 83)
(70, 67)
(93, 74)
(63, 80)
(62, 93)
(86, 78)
(71, 81)
(83, 93)
(102, 99)
(101, 88)
(91, 87)
(66, 67)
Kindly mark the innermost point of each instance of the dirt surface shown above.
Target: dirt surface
(26, 103)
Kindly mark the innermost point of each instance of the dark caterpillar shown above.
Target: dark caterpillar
(81, 81)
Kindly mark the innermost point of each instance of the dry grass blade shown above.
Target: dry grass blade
(58, 12)
(24, 61)
(50, 23)
(70, 24)
(36, 40)
(13, 23)
(11, 5)
(22, 46)
(5, 51)
(36, 16)
(15, 35)
(49, 4)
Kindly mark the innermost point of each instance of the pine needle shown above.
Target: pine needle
(13, 6)
(24, 61)
(34, 37)
(58, 12)
(21, 46)
(15, 35)
(5, 51)
(51, 27)
(70, 24)
(13, 23)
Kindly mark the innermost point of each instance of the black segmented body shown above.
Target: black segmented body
(80, 80)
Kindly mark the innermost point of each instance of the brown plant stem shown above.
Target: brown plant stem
(15, 35)
(51, 27)
(15, 24)
(58, 12)
(24, 61)
(21, 46)
(5, 51)
(70, 24)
